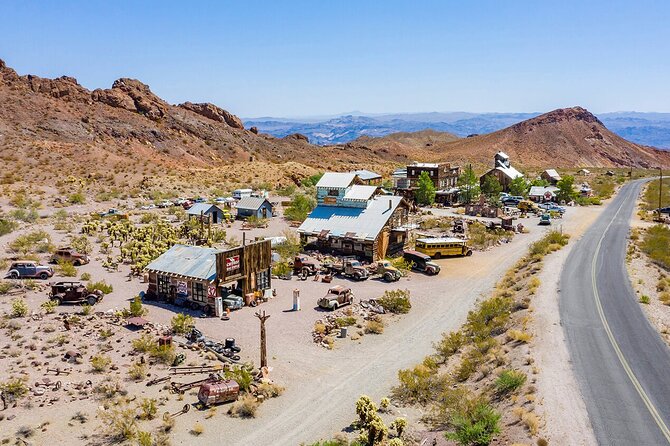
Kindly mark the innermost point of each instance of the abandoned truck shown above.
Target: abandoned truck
(348, 268)
(421, 262)
(74, 292)
(388, 272)
(336, 297)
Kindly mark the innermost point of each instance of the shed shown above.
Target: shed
(254, 207)
(551, 176)
(367, 176)
(206, 210)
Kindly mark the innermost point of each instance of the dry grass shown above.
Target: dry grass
(245, 407)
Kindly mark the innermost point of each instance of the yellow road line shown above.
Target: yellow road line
(645, 398)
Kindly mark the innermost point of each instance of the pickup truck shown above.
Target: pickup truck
(388, 272)
(29, 270)
(348, 268)
(336, 297)
(303, 266)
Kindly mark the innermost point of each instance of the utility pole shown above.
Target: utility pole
(264, 354)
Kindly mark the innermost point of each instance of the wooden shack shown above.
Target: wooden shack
(249, 265)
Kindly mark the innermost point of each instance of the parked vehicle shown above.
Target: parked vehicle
(218, 392)
(511, 201)
(112, 214)
(348, 268)
(74, 292)
(70, 255)
(388, 272)
(443, 247)
(233, 302)
(527, 206)
(186, 204)
(165, 204)
(27, 269)
(422, 262)
(553, 207)
(241, 193)
(336, 297)
(665, 210)
(303, 266)
(545, 219)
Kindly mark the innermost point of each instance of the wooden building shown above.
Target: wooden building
(502, 171)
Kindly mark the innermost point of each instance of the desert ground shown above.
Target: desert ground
(321, 385)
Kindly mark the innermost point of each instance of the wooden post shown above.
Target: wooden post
(264, 354)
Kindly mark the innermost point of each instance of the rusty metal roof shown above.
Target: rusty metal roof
(194, 262)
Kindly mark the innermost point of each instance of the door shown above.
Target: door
(30, 271)
(265, 212)
(215, 217)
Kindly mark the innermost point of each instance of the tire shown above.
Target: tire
(57, 300)
(357, 276)
(253, 303)
(92, 300)
(235, 357)
(438, 255)
(335, 307)
(44, 276)
(14, 275)
(77, 263)
(388, 277)
(469, 253)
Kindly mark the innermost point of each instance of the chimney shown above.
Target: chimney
(390, 204)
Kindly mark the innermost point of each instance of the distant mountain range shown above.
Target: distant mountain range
(651, 129)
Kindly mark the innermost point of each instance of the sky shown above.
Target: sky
(326, 57)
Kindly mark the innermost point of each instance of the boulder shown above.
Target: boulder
(214, 113)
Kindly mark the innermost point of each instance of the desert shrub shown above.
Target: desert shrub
(19, 308)
(100, 363)
(532, 422)
(5, 287)
(549, 243)
(489, 318)
(14, 388)
(374, 327)
(144, 343)
(346, 321)
(269, 390)
(664, 298)
(245, 407)
(28, 216)
(86, 309)
(480, 237)
(100, 285)
(420, 384)
(76, 198)
(66, 269)
(508, 381)
(35, 241)
(82, 244)
(162, 353)
(399, 425)
(119, 423)
(644, 299)
(402, 265)
(49, 306)
(475, 426)
(182, 323)
(242, 375)
(655, 243)
(319, 327)
(395, 301)
(281, 269)
(197, 429)
(137, 371)
(148, 409)
(6, 226)
(136, 308)
(519, 336)
(449, 344)
(85, 276)
(144, 439)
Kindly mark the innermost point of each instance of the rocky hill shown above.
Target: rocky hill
(561, 138)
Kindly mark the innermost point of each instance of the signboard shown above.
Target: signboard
(232, 263)
(211, 292)
(329, 200)
(182, 288)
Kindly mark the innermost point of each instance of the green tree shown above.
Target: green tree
(300, 207)
(468, 185)
(491, 187)
(519, 187)
(425, 195)
(566, 191)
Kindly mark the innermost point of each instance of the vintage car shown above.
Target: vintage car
(27, 269)
(545, 219)
(74, 292)
(69, 255)
(388, 272)
(336, 297)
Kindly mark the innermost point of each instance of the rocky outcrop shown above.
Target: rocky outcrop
(296, 137)
(214, 113)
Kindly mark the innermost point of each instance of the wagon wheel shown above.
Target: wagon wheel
(186, 408)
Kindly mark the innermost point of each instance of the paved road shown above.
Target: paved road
(621, 363)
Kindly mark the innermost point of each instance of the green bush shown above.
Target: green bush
(281, 269)
(35, 241)
(449, 344)
(5, 287)
(243, 377)
(19, 308)
(508, 381)
(346, 321)
(656, 243)
(66, 269)
(144, 343)
(100, 363)
(136, 308)
(49, 306)
(182, 323)
(76, 198)
(6, 226)
(300, 207)
(420, 384)
(14, 388)
(162, 353)
(395, 301)
(476, 426)
(85, 276)
(101, 286)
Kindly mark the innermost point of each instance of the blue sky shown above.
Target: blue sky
(306, 58)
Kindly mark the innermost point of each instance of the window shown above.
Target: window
(412, 172)
(263, 280)
(199, 292)
(163, 285)
(432, 173)
(333, 192)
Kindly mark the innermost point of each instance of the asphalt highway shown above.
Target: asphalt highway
(620, 360)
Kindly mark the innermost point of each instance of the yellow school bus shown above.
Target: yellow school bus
(443, 247)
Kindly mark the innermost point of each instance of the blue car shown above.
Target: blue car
(552, 207)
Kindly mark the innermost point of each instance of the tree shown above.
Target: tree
(519, 187)
(468, 185)
(491, 187)
(300, 207)
(425, 195)
(566, 191)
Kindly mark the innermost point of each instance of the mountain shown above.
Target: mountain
(561, 138)
(652, 129)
